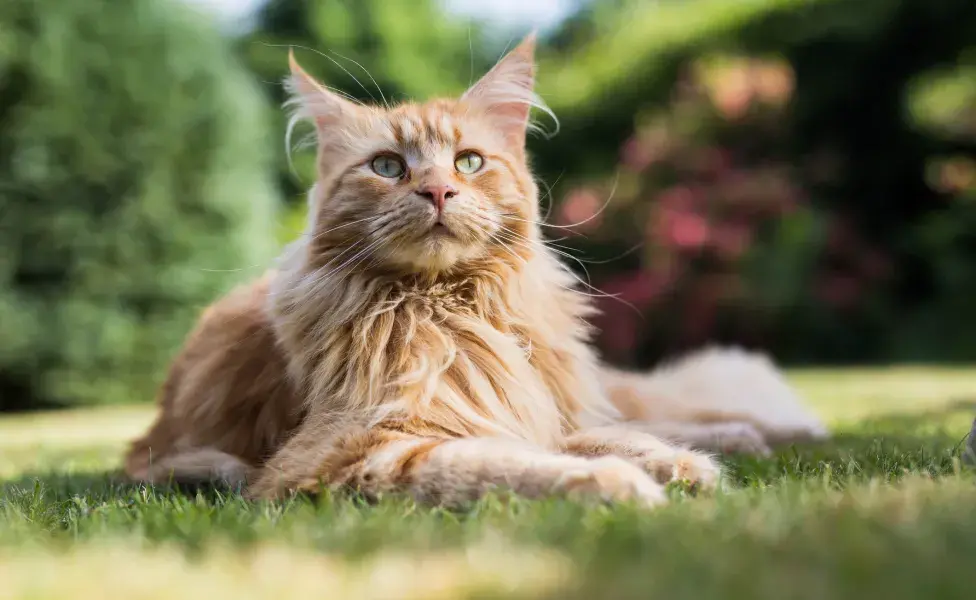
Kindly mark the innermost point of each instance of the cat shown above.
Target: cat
(421, 338)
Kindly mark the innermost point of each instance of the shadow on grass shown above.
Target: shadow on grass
(104, 486)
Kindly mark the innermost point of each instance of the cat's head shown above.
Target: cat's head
(425, 187)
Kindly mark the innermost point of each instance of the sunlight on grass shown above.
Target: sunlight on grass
(70, 440)
(885, 509)
(131, 572)
(840, 395)
(74, 428)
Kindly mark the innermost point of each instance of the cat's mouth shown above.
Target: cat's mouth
(440, 229)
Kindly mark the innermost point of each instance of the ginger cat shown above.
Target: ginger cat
(420, 337)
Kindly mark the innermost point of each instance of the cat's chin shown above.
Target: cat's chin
(440, 230)
(439, 251)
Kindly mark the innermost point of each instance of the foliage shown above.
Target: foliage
(722, 224)
(873, 259)
(133, 186)
(614, 59)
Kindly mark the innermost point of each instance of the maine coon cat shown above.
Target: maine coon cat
(420, 337)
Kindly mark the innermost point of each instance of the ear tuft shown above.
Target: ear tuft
(506, 95)
(310, 100)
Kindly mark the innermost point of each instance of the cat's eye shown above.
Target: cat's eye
(468, 162)
(388, 165)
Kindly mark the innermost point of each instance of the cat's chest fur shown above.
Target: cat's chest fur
(469, 357)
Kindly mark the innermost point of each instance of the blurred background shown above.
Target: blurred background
(792, 175)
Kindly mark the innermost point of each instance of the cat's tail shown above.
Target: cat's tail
(716, 386)
(189, 466)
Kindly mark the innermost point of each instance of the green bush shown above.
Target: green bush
(135, 185)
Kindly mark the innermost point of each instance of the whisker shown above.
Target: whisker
(599, 293)
(552, 244)
(320, 234)
(548, 195)
(368, 74)
(505, 247)
(606, 203)
(528, 243)
(470, 57)
(323, 276)
(238, 270)
(295, 118)
(626, 252)
(371, 256)
(554, 247)
(327, 57)
(298, 235)
(369, 247)
(375, 260)
(343, 94)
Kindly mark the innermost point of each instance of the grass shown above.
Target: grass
(883, 511)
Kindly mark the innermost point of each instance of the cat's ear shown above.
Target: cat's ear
(505, 94)
(313, 101)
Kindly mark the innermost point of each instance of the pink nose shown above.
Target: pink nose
(438, 194)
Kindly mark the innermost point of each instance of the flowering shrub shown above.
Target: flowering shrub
(721, 220)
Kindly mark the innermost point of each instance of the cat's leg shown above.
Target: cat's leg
(725, 438)
(226, 403)
(661, 459)
(450, 471)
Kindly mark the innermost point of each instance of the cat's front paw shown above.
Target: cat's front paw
(681, 465)
(698, 470)
(271, 485)
(612, 479)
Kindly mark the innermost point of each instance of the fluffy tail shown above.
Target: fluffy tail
(190, 466)
(714, 386)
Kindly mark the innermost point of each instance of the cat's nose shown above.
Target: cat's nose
(438, 194)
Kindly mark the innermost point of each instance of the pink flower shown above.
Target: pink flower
(738, 187)
(689, 231)
(683, 229)
(678, 198)
(639, 288)
(718, 161)
(636, 155)
(789, 201)
(579, 211)
(619, 324)
(731, 240)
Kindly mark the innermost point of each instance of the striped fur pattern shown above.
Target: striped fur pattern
(403, 345)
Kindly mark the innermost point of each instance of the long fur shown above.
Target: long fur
(716, 385)
(438, 351)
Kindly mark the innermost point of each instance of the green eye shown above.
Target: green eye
(388, 165)
(468, 162)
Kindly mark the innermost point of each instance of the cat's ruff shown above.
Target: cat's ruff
(438, 348)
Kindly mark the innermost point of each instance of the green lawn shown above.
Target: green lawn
(883, 511)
